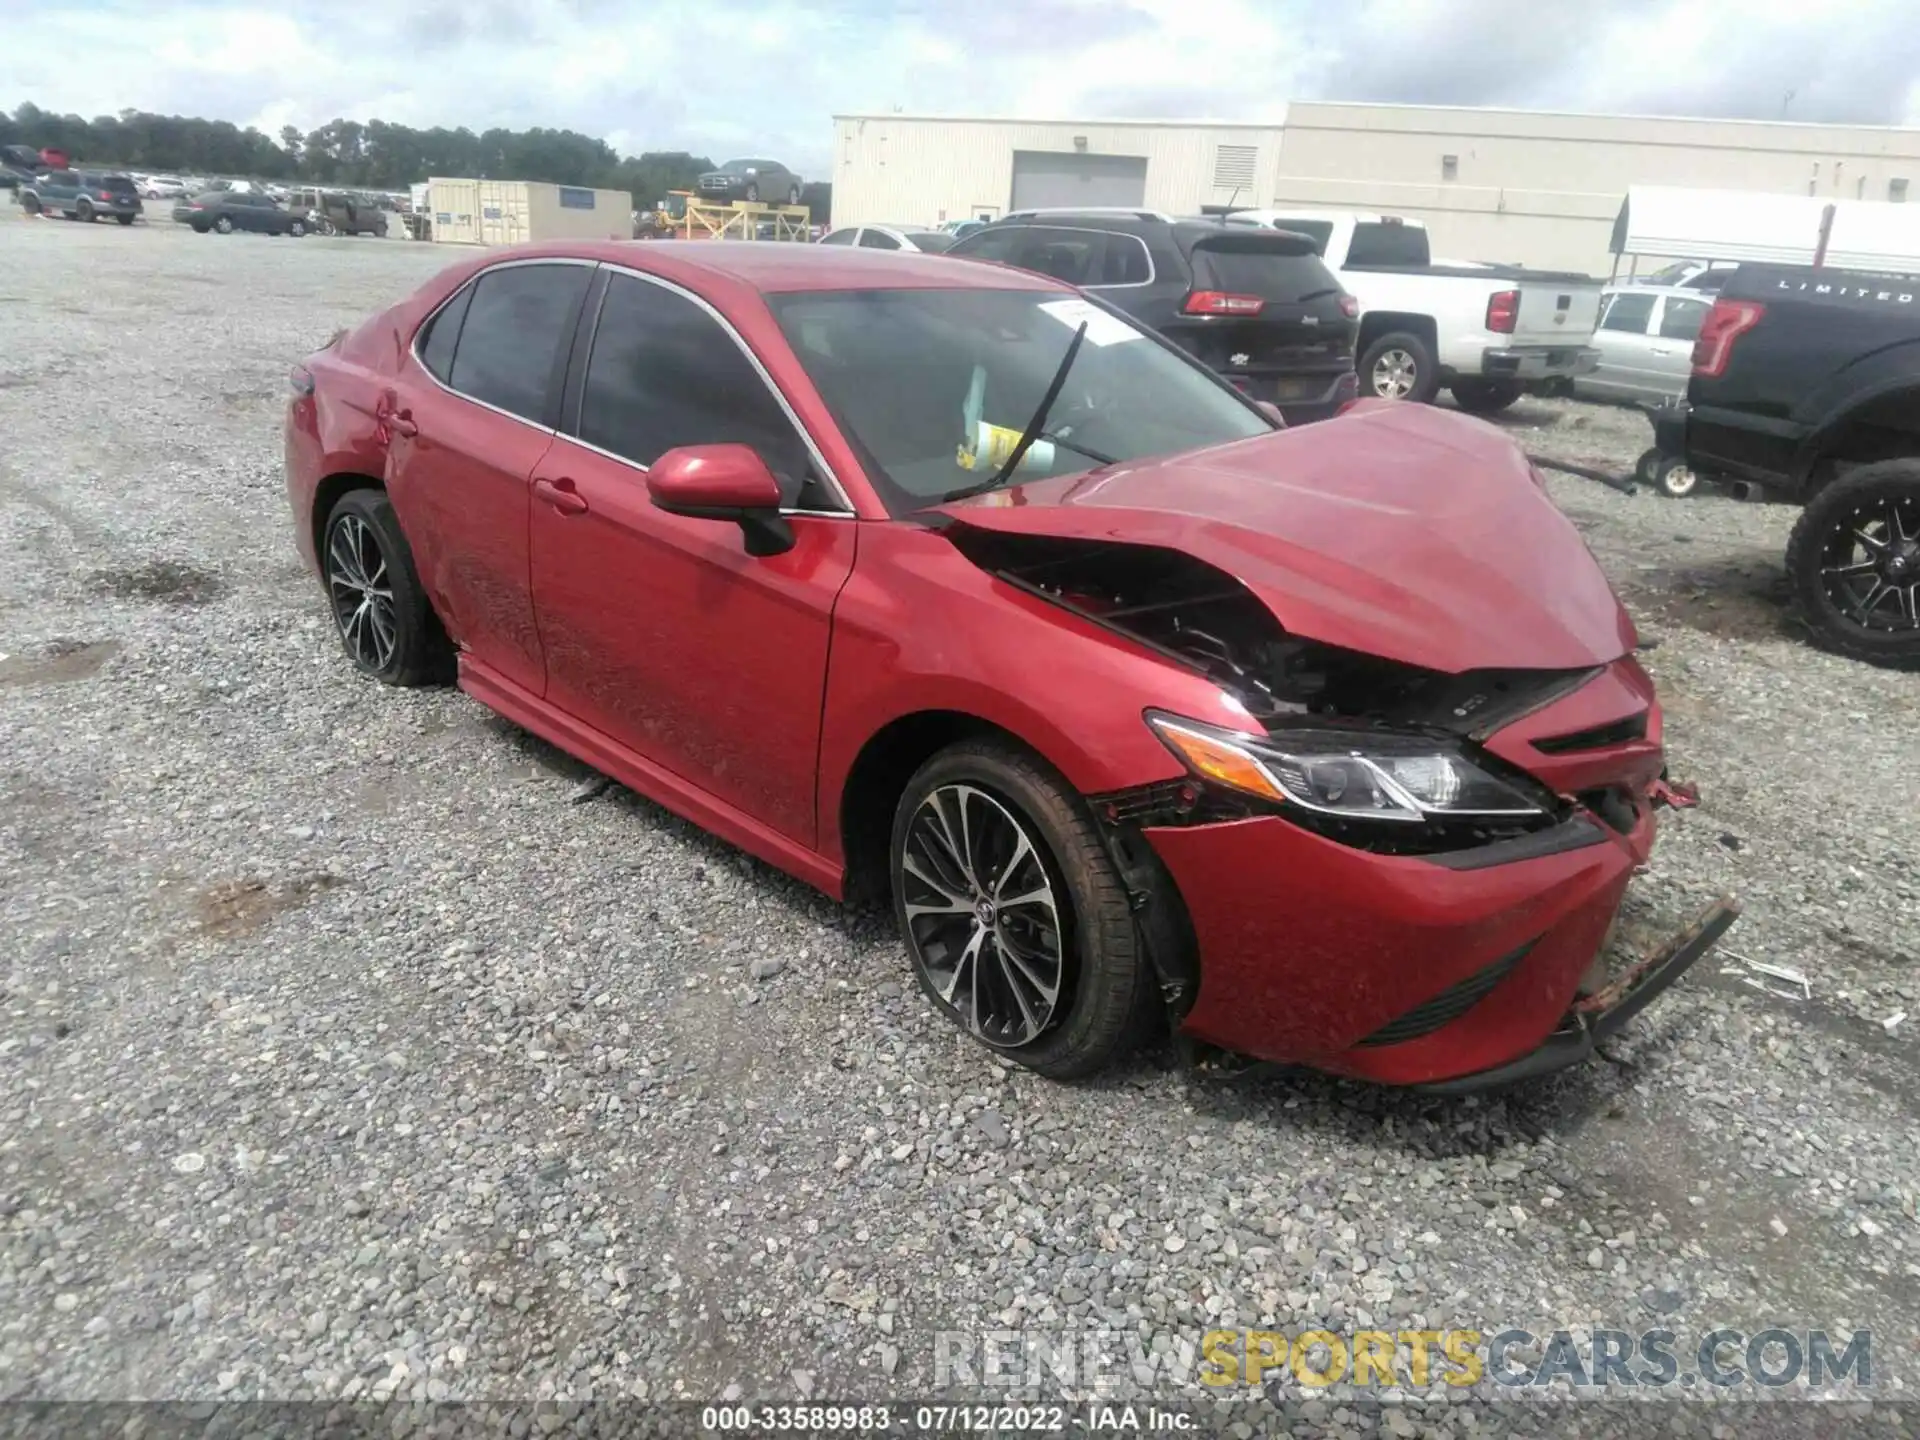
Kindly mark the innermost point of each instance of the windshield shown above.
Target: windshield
(934, 387)
(738, 167)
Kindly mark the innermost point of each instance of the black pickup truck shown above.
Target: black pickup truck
(1806, 383)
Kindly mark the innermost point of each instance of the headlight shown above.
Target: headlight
(1353, 776)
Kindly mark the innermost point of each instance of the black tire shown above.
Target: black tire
(1644, 467)
(30, 204)
(1379, 358)
(1106, 998)
(1674, 478)
(200, 227)
(224, 225)
(327, 227)
(83, 210)
(420, 653)
(124, 219)
(753, 194)
(1873, 499)
(1484, 397)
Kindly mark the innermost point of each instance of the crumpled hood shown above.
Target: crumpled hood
(1396, 530)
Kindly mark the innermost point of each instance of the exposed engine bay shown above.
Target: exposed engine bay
(1203, 617)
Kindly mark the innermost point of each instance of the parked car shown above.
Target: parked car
(1259, 308)
(1488, 333)
(226, 211)
(961, 228)
(1645, 342)
(1806, 382)
(1707, 275)
(1133, 702)
(84, 195)
(753, 180)
(890, 237)
(334, 212)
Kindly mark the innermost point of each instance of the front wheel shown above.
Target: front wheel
(1399, 366)
(296, 229)
(30, 204)
(1674, 478)
(1484, 397)
(1016, 922)
(83, 211)
(327, 227)
(380, 610)
(753, 194)
(1854, 560)
(223, 225)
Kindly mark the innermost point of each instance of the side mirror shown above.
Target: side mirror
(723, 482)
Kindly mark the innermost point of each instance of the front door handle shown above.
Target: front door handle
(561, 494)
(400, 422)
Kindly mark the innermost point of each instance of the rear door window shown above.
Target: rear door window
(517, 324)
(1124, 262)
(1629, 312)
(878, 240)
(1680, 319)
(839, 237)
(1378, 243)
(1075, 256)
(994, 243)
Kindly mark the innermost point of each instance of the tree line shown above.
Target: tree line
(377, 155)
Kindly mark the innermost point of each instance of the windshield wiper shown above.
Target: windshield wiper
(1034, 426)
(1074, 445)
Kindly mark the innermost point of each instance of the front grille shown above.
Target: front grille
(1598, 737)
(1449, 1005)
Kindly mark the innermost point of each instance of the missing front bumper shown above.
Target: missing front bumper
(1596, 1017)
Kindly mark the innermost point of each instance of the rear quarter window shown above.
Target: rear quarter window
(1271, 275)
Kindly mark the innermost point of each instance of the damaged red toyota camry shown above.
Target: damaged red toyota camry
(933, 580)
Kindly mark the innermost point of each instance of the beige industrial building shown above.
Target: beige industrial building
(1504, 185)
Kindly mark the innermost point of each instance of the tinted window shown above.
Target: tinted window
(878, 240)
(1376, 243)
(933, 242)
(664, 374)
(1074, 256)
(907, 372)
(442, 334)
(1318, 231)
(1681, 319)
(1124, 262)
(1239, 266)
(518, 320)
(839, 237)
(1629, 312)
(1709, 280)
(989, 244)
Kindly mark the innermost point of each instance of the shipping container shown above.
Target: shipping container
(513, 212)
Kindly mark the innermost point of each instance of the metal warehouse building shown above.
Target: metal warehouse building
(1507, 185)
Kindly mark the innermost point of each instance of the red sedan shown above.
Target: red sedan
(936, 580)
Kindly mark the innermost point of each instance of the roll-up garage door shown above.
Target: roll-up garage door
(1047, 178)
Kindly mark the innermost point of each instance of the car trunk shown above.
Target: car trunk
(1556, 312)
(1276, 323)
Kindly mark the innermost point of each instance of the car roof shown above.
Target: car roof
(776, 267)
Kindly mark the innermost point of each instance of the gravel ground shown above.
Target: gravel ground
(350, 1047)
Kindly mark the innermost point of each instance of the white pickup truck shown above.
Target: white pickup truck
(1489, 333)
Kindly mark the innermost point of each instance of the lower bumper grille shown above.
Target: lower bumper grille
(1449, 1005)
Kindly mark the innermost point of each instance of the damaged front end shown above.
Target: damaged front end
(1382, 869)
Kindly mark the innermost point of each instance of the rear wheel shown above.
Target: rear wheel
(380, 610)
(224, 225)
(83, 210)
(1484, 397)
(753, 194)
(124, 219)
(1644, 467)
(30, 204)
(1399, 366)
(297, 229)
(1015, 919)
(1674, 478)
(1854, 560)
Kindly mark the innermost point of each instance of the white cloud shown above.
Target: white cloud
(718, 76)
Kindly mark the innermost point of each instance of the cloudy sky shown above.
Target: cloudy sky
(746, 76)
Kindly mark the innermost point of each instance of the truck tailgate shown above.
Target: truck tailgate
(1556, 312)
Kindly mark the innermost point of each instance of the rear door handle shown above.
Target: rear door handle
(400, 422)
(561, 494)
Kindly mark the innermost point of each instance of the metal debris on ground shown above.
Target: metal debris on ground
(1681, 795)
(1781, 980)
(591, 789)
(1892, 1022)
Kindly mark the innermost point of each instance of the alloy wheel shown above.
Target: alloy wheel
(1395, 374)
(1870, 565)
(983, 915)
(361, 592)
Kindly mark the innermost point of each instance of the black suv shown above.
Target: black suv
(1257, 306)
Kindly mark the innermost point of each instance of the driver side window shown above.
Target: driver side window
(664, 373)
